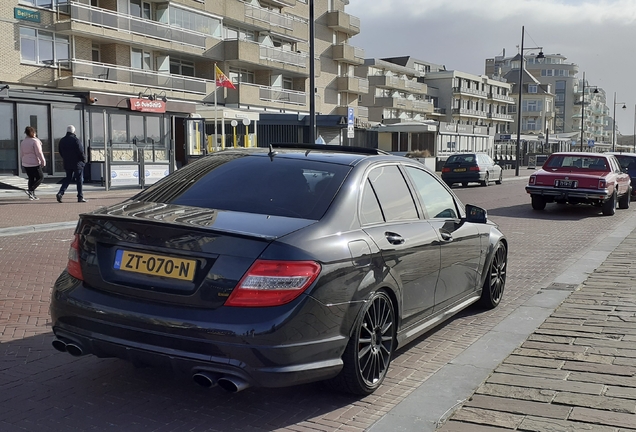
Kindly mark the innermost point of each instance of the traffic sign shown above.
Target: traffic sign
(350, 123)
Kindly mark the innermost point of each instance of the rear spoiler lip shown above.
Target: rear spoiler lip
(203, 215)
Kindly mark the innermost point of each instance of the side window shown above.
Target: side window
(437, 201)
(370, 211)
(393, 193)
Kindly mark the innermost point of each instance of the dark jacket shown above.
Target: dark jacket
(72, 152)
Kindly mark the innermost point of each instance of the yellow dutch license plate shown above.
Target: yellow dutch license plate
(459, 169)
(155, 265)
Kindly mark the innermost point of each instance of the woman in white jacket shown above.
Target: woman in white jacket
(32, 160)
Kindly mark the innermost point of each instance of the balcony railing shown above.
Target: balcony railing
(423, 105)
(470, 112)
(268, 16)
(363, 111)
(501, 97)
(470, 91)
(130, 24)
(282, 56)
(277, 94)
(103, 72)
(499, 116)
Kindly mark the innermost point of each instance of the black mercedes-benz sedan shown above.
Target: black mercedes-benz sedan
(275, 267)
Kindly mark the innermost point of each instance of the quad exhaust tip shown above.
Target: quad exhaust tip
(228, 383)
(71, 348)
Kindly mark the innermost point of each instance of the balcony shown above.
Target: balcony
(470, 112)
(353, 85)
(499, 116)
(347, 53)
(470, 91)
(341, 21)
(396, 83)
(102, 76)
(532, 113)
(91, 21)
(358, 111)
(503, 98)
(270, 17)
(279, 3)
(255, 53)
(426, 107)
(259, 95)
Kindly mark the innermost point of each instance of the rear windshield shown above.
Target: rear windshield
(582, 162)
(284, 186)
(466, 158)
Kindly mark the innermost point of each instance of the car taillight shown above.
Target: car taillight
(73, 267)
(446, 169)
(273, 283)
(473, 168)
(533, 180)
(602, 184)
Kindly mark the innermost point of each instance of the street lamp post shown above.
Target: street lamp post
(518, 150)
(614, 122)
(312, 76)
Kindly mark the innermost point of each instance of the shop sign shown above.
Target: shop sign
(146, 105)
(26, 15)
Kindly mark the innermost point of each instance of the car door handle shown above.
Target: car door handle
(446, 236)
(394, 238)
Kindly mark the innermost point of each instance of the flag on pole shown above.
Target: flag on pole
(222, 80)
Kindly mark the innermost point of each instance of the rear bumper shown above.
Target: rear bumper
(469, 176)
(586, 194)
(273, 349)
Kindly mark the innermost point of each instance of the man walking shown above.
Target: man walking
(72, 152)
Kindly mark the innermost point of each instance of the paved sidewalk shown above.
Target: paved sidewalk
(576, 372)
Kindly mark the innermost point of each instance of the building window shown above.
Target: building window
(532, 88)
(43, 3)
(239, 33)
(237, 76)
(42, 47)
(96, 53)
(181, 67)
(140, 59)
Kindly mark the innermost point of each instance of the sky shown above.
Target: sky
(598, 35)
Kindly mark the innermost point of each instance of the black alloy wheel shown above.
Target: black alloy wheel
(368, 353)
(464, 184)
(495, 282)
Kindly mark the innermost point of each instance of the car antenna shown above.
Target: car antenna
(271, 153)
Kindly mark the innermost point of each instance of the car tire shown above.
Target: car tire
(486, 180)
(538, 202)
(368, 354)
(609, 206)
(495, 282)
(464, 184)
(623, 202)
(500, 181)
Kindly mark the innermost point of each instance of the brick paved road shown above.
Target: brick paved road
(46, 390)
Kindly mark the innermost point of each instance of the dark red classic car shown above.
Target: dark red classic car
(581, 178)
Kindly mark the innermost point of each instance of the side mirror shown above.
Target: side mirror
(476, 214)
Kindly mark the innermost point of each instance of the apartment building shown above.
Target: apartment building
(395, 93)
(137, 77)
(537, 104)
(562, 77)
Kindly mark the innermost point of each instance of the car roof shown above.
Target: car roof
(344, 155)
(622, 154)
(584, 154)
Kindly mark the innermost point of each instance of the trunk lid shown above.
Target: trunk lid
(174, 254)
(585, 180)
